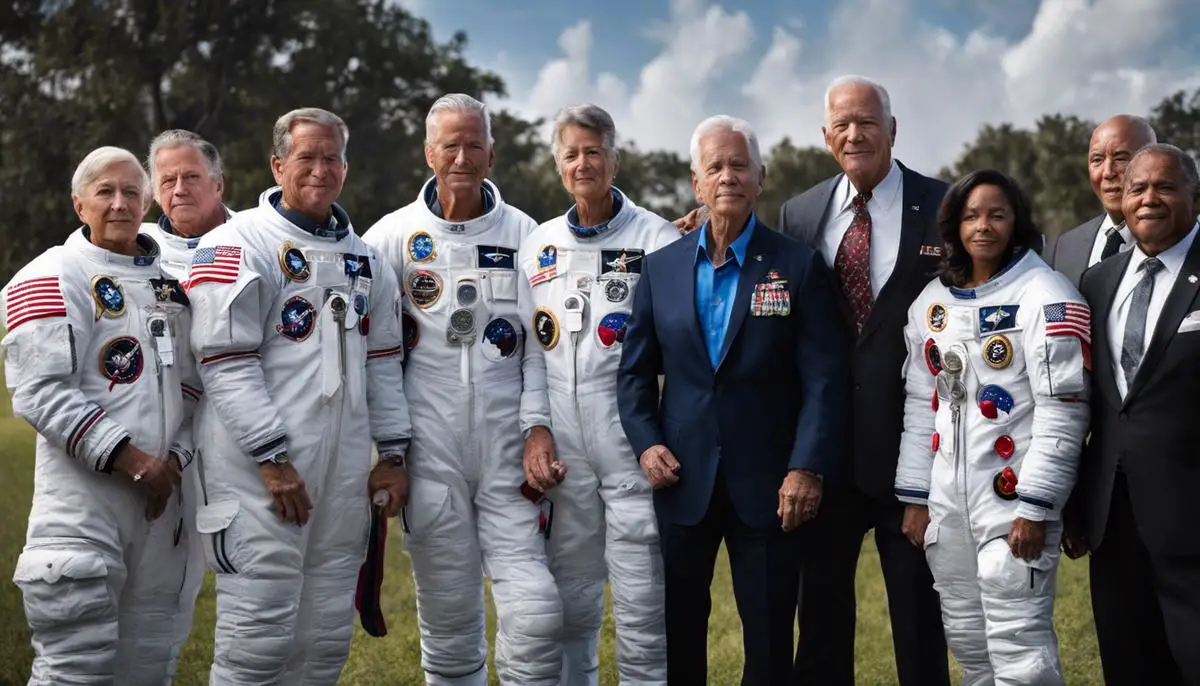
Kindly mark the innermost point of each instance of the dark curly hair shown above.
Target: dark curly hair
(955, 268)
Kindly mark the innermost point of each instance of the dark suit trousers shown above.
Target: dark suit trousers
(833, 541)
(764, 565)
(1147, 607)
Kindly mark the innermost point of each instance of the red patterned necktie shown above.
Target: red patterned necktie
(853, 262)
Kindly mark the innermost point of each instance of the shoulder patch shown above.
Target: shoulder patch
(34, 299)
(220, 264)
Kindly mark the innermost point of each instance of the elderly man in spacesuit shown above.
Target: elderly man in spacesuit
(97, 361)
(583, 267)
(298, 334)
(476, 384)
(995, 415)
(185, 175)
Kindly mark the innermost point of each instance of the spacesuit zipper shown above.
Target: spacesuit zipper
(960, 460)
(340, 321)
(583, 434)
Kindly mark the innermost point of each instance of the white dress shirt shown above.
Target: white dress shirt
(1106, 228)
(886, 208)
(1172, 260)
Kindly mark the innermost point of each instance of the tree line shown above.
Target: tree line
(77, 74)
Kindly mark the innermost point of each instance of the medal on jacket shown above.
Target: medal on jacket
(574, 303)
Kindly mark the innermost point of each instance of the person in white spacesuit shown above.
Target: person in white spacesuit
(583, 267)
(297, 329)
(96, 359)
(185, 175)
(475, 384)
(995, 415)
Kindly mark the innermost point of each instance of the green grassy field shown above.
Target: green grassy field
(395, 660)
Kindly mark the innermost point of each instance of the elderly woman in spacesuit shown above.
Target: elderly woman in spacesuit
(995, 415)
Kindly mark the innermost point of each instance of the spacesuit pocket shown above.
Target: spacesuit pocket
(212, 523)
(1003, 575)
(504, 284)
(931, 535)
(428, 505)
(63, 586)
(52, 355)
(629, 515)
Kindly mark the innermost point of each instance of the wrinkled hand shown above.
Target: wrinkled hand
(157, 478)
(1027, 539)
(916, 521)
(287, 488)
(1074, 541)
(799, 498)
(692, 220)
(542, 470)
(660, 466)
(391, 478)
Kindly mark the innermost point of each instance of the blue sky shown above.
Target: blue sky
(660, 66)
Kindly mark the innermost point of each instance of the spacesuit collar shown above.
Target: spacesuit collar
(171, 236)
(491, 209)
(1011, 271)
(81, 241)
(335, 228)
(622, 213)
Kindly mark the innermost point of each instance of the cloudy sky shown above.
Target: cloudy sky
(660, 66)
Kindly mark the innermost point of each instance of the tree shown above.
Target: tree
(1176, 120)
(790, 171)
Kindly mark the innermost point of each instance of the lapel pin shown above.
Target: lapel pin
(758, 258)
(1193, 279)
(916, 208)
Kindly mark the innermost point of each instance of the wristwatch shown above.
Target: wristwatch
(280, 459)
(396, 458)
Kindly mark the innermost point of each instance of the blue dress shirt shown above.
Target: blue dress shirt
(717, 286)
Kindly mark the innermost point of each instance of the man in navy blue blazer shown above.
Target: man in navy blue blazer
(741, 321)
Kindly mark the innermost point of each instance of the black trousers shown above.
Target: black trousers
(765, 570)
(827, 605)
(1146, 606)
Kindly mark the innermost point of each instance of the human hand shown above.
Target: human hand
(287, 489)
(391, 478)
(692, 220)
(916, 521)
(542, 470)
(1074, 542)
(799, 498)
(157, 478)
(1027, 539)
(660, 465)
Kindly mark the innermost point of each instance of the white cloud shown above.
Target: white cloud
(1079, 57)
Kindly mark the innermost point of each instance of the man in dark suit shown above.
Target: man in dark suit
(1112, 145)
(1140, 472)
(739, 320)
(876, 226)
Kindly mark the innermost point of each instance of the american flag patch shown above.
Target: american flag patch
(1069, 319)
(34, 299)
(215, 265)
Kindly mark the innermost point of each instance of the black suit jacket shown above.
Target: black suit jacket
(877, 398)
(1069, 253)
(1154, 430)
(773, 403)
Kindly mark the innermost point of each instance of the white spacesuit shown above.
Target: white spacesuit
(96, 355)
(298, 336)
(995, 415)
(474, 386)
(583, 283)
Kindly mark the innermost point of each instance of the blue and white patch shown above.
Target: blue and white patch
(624, 261)
(298, 318)
(611, 329)
(293, 263)
(421, 247)
(360, 304)
(121, 361)
(496, 257)
(997, 318)
(999, 399)
(499, 340)
(110, 300)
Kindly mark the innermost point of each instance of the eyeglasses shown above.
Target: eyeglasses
(545, 508)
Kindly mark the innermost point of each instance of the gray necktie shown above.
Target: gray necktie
(1132, 346)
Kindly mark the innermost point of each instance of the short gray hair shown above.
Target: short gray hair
(719, 122)
(457, 102)
(100, 159)
(854, 80)
(1186, 162)
(181, 138)
(281, 135)
(588, 116)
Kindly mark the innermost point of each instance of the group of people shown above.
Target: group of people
(608, 397)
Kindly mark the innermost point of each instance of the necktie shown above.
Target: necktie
(852, 264)
(1113, 243)
(1133, 344)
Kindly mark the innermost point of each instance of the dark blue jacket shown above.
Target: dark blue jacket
(774, 403)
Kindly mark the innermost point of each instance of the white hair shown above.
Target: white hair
(102, 159)
(180, 138)
(281, 135)
(727, 123)
(457, 102)
(591, 117)
(853, 80)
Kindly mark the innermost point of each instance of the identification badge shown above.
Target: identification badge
(574, 303)
(360, 298)
(160, 329)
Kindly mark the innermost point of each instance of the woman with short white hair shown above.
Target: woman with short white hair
(96, 360)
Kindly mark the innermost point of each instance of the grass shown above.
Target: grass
(396, 658)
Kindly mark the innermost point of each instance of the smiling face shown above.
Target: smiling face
(727, 181)
(585, 168)
(986, 226)
(1112, 145)
(314, 170)
(459, 154)
(1159, 204)
(113, 205)
(859, 134)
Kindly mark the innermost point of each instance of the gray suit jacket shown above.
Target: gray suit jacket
(1069, 254)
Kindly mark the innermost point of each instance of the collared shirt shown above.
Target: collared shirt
(1172, 260)
(716, 287)
(886, 208)
(1106, 228)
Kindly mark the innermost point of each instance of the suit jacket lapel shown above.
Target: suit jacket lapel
(1083, 255)
(1102, 364)
(1178, 304)
(689, 290)
(818, 209)
(912, 233)
(758, 263)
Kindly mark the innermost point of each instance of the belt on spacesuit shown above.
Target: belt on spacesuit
(370, 578)
(599, 385)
